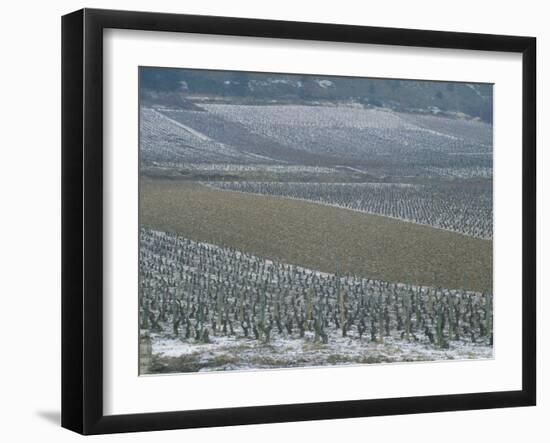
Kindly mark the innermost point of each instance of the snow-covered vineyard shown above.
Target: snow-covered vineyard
(459, 208)
(357, 131)
(162, 138)
(208, 307)
(389, 142)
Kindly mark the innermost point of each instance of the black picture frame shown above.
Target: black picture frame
(82, 218)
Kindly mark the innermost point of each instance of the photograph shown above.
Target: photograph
(258, 222)
(301, 220)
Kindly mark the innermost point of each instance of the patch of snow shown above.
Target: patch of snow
(325, 83)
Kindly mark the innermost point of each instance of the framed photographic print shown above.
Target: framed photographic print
(270, 221)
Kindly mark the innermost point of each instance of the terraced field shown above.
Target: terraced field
(456, 206)
(212, 308)
(320, 237)
(382, 141)
(293, 225)
(352, 133)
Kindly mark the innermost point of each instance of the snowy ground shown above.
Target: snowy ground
(239, 353)
(190, 289)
